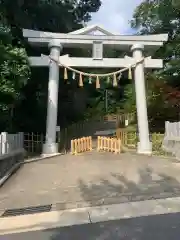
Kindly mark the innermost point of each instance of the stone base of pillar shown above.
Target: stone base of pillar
(50, 149)
(144, 148)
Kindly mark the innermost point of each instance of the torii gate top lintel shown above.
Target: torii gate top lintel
(86, 36)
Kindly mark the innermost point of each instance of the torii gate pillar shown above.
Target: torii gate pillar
(50, 146)
(144, 144)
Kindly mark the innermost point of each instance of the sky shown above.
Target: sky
(114, 15)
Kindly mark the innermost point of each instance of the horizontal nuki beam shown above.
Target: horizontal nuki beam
(91, 63)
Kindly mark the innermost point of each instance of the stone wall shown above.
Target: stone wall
(9, 163)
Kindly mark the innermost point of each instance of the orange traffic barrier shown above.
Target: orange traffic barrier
(80, 145)
(109, 144)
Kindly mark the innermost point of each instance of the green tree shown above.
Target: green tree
(27, 93)
(157, 17)
(176, 3)
(14, 71)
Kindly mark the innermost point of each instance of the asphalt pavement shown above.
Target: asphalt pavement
(156, 227)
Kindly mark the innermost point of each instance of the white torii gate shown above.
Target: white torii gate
(85, 38)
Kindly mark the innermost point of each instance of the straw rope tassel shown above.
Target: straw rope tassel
(115, 81)
(120, 75)
(108, 79)
(80, 80)
(65, 74)
(97, 82)
(130, 74)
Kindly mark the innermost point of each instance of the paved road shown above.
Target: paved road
(158, 227)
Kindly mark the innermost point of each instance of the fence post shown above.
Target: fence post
(72, 147)
(166, 128)
(4, 145)
(119, 142)
(90, 144)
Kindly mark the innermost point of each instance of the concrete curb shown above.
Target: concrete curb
(42, 157)
(89, 215)
(13, 168)
(9, 173)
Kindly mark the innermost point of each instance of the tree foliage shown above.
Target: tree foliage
(23, 90)
(163, 88)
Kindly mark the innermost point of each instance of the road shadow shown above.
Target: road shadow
(124, 190)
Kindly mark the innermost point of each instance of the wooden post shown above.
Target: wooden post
(72, 147)
(98, 146)
(119, 145)
(90, 144)
(86, 143)
(83, 144)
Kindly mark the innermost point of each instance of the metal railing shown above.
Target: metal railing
(33, 143)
